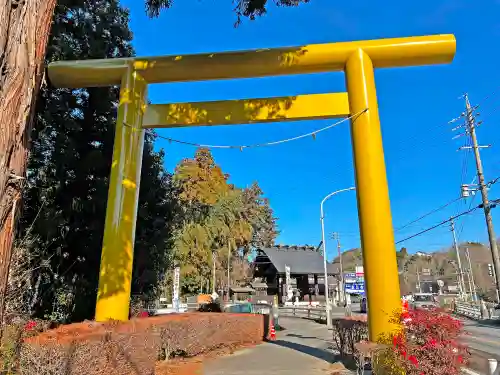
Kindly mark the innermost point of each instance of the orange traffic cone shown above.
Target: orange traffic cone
(272, 333)
(405, 307)
(406, 313)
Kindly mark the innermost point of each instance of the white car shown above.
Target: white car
(424, 301)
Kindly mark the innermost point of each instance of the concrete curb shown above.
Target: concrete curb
(468, 371)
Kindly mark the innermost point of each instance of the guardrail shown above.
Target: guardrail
(470, 310)
(314, 313)
(477, 311)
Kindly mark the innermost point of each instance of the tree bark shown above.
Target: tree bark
(24, 32)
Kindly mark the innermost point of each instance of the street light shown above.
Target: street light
(322, 219)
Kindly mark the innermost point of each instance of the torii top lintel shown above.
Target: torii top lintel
(314, 58)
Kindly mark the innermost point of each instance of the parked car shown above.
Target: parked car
(363, 306)
(424, 301)
(238, 308)
(248, 308)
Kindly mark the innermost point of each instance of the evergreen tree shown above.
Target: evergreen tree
(24, 30)
(69, 170)
(217, 220)
(261, 217)
(243, 9)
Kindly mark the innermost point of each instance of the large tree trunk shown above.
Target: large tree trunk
(24, 31)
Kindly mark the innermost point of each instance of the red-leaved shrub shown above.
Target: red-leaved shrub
(427, 344)
(126, 348)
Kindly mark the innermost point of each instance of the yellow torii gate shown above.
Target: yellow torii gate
(357, 59)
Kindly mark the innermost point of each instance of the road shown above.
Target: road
(303, 348)
(483, 340)
(483, 337)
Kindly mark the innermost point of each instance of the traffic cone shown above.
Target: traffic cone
(272, 333)
(405, 307)
(406, 312)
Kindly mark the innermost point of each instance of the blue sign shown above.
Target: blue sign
(355, 288)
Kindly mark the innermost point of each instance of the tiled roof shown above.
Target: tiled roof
(300, 259)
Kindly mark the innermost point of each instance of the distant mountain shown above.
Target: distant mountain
(441, 264)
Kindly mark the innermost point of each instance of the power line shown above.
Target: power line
(427, 214)
(465, 159)
(462, 224)
(273, 143)
(441, 223)
(492, 182)
(489, 96)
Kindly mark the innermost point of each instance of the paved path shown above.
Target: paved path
(303, 348)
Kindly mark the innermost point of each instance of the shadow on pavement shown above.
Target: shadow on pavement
(307, 337)
(490, 322)
(319, 353)
(323, 354)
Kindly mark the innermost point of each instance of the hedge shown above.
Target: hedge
(133, 347)
(347, 332)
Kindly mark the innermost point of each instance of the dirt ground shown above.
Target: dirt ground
(193, 366)
(184, 367)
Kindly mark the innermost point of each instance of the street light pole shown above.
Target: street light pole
(342, 294)
(322, 219)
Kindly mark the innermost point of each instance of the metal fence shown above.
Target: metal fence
(476, 311)
(313, 313)
(470, 310)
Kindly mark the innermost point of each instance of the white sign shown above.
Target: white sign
(288, 281)
(359, 271)
(358, 277)
(175, 294)
(349, 278)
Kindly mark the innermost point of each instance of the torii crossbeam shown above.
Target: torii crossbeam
(357, 59)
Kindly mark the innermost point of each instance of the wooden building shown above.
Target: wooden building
(306, 274)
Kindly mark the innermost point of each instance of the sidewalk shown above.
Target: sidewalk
(303, 348)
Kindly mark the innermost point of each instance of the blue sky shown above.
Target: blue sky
(423, 165)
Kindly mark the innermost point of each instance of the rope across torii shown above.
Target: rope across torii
(356, 59)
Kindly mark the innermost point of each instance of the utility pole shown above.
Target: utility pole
(336, 236)
(461, 284)
(473, 292)
(470, 126)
